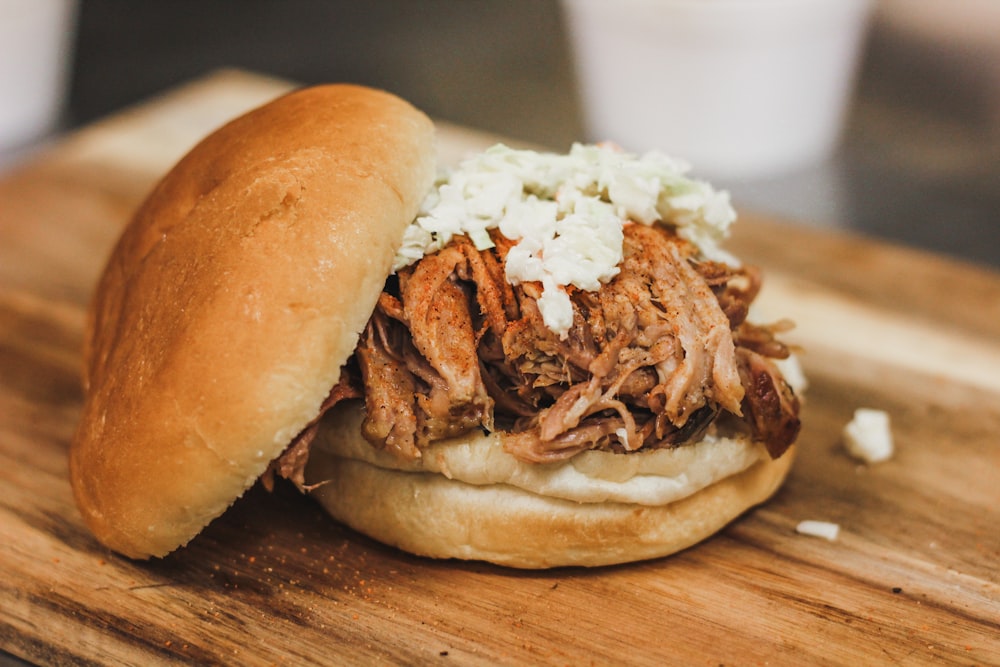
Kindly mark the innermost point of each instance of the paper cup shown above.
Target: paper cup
(739, 88)
(36, 37)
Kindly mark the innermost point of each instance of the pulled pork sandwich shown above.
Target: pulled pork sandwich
(537, 360)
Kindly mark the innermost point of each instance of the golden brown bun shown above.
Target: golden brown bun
(232, 300)
(434, 514)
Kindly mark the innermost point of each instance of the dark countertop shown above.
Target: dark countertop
(919, 163)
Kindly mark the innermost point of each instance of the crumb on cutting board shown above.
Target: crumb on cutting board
(813, 528)
(868, 436)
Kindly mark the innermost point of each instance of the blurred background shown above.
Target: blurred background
(915, 157)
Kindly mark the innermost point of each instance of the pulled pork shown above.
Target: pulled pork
(651, 360)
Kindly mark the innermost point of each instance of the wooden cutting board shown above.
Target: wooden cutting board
(913, 578)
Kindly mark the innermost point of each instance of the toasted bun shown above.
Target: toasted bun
(466, 498)
(232, 300)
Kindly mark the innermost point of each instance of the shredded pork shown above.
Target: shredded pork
(653, 359)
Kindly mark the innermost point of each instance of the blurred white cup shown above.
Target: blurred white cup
(36, 38)
(738, 88)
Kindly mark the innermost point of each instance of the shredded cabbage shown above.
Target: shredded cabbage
(566, 212)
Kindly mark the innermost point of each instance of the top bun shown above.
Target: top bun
(232, 300)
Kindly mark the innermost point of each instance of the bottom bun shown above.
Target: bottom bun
(429, 514)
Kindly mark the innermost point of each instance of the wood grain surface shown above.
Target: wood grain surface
(913, 577)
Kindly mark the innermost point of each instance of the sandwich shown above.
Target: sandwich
(532, 359)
